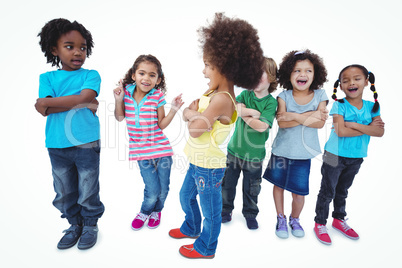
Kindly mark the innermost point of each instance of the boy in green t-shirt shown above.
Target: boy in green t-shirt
(246, 149)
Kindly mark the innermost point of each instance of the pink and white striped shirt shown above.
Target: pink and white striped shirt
(146, 139)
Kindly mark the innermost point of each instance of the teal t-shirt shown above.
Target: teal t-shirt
(77, 126)
(247, 143)
(351, 147)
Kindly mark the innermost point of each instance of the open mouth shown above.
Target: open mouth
(301, 82)
(352, 89)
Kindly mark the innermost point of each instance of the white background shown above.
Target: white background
(342, 32)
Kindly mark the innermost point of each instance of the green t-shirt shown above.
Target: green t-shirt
(247, 143)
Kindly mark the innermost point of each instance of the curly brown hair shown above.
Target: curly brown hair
(146, 58)
(289, 61)
(233, 47)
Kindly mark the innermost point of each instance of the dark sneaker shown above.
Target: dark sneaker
(252, 223)
(88, 237)
(70, 238)
(226, 217)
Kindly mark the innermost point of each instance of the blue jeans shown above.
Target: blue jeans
(251, 185)
(338, 174)
(76, 182)
(207, 184)
(156, 175)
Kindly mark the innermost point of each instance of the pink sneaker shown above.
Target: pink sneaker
(154, 220)
(345, 229)
(321, 233)
(139, 221)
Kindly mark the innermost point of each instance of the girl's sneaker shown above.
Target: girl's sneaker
(281, 227)
(321, 233)
(154, 220)
(345, 229)
(294, 224)
(139, 221)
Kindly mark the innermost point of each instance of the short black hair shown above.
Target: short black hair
(51, 32)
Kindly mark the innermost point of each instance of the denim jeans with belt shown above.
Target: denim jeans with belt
(338, 174)
(76, 182)
(207, 183)
(251, 185)
(156, 175)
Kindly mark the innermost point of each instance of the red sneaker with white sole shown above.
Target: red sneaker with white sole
(344, 228)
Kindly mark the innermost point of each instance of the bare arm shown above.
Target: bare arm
(218, 109)
(164, 121)
(375, 129)
(119, 108)
(46, 106)
(251, 117)
(313, 119)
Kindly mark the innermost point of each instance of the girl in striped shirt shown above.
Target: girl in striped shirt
(140, 99)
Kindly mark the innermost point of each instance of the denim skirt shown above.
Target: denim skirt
(289, 174)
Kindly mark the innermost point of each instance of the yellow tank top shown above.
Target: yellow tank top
(204, 151)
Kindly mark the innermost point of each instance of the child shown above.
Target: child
(140, 98)
(246, 149)
(354, 121)
(67, 98)
(232, 56)
(301, 111)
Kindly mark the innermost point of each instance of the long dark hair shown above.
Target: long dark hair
(146, 58)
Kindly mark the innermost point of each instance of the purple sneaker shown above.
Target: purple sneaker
(294, 224)
(139, 221)
(281, 227)
(154, 220)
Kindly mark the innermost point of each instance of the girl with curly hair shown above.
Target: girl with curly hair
(301, 111)
(232, 56)
(140, 99)
(67, 97)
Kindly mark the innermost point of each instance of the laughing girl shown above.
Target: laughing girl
(301, 111)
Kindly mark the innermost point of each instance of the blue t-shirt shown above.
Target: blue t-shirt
(77, 126)
(351, 147)
(299, 142)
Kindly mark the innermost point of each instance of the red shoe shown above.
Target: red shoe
(345, 229)
(321, 233)
(176, 233)
(188, 251)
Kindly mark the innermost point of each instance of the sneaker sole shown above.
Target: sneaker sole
(348, 236)
(298, 234)
(282, 236)
(325, 243)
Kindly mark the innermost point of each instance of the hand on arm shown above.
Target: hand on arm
(375, 128)
(164, 121)
(313, 119)
(251, 117)
(119, 108)
(46, 106)
(198, 123)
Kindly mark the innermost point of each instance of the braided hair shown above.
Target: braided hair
(368, 75)
(51, 32)
(146, 58)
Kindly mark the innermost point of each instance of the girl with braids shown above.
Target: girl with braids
(67, 99)
(232, 56)
(354, 121)
(301, 111)
(140, 98)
